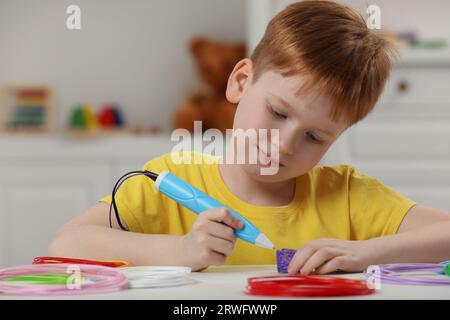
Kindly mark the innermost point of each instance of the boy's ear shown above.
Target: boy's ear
(240, 78)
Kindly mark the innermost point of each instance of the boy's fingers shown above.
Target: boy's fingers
(332, 265)
(217, 258)
(220, 230)
(221, 246)
(223, 215)
(299, 259)
(320, 257)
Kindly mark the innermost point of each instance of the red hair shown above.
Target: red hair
(332, 44)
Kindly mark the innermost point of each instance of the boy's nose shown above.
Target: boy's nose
(286, 150)
(286, 146)
(284, 142)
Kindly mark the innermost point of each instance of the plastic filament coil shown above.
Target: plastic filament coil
(410, 273)
(82, 279)
(306, 286)
(158, 276)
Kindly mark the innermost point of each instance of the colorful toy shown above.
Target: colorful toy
(107, 118)
(83, 117)
(77, 119)
(91, 118)
(25, 108)
(110, 116)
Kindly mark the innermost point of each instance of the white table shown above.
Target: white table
(228, 282)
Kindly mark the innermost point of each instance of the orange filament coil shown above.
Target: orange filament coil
(105, 263)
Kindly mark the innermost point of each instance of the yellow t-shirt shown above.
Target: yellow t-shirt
(330, 202)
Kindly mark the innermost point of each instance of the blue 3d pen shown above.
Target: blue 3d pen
(198, 201)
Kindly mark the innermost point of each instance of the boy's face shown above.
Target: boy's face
(305, 129)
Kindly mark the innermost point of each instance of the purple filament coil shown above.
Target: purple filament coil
(284, 257)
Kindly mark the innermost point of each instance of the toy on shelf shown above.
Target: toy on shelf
(26, 109)
(215, 61)
(85, 123)
(110, 116)
(83, 117)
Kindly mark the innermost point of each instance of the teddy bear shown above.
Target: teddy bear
(215, 61)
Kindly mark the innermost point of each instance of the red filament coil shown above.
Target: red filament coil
(306, 286)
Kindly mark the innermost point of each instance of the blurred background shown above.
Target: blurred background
(79, 108)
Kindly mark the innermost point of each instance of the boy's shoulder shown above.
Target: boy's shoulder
(339, 169)
(343, 175)
(338, 172)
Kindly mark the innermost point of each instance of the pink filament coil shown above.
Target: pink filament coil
(88, 279)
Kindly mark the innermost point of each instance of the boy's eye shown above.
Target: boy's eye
(275, 113)
(312, 138)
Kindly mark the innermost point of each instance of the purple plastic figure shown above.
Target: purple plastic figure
(284, 257)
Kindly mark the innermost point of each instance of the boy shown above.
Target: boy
(317, 71)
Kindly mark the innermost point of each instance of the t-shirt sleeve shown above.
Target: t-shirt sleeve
(138, 201)
(375, 209)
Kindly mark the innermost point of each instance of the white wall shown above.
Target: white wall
(130, 52)
(429, 18)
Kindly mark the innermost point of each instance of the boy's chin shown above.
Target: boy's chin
(265, 173)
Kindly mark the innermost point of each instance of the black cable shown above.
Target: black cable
(130, 174)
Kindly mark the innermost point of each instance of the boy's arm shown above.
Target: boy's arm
(89, 236)
(423, 236)
(420, 216)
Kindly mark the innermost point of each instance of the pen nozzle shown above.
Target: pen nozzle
(264, 242)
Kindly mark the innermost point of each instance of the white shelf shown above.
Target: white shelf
(425, 57)
(35, 147)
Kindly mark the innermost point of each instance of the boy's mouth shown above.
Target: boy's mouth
(266, 160)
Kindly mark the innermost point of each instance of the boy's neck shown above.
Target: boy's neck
(256, 192)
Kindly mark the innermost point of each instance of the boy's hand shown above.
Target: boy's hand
(328, 255)
(211, 239)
